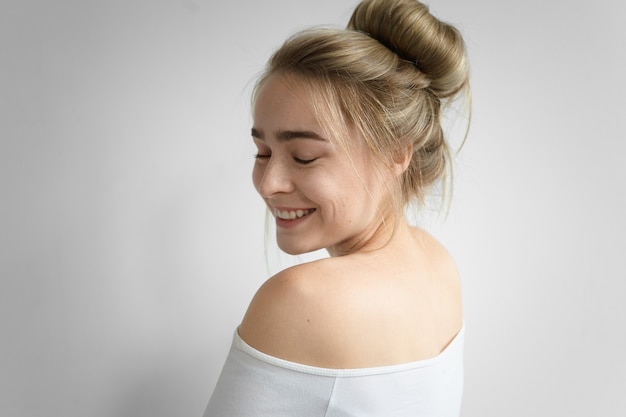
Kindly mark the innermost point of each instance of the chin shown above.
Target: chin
(295, 249)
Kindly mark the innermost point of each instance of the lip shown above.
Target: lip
(292, 222)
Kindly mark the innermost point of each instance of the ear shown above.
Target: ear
(402, 160)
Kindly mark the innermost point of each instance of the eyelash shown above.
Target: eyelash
(297, 160)
(303, 161)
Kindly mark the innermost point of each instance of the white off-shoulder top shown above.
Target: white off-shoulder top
(254, 384)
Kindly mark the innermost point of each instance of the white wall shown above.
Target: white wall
(131, 238)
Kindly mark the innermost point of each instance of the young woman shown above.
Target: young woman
(347, 127)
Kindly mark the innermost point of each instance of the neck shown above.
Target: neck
(377, 237)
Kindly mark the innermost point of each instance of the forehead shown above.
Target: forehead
(284, 102)
(289, 102)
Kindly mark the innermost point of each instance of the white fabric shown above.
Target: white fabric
(255, 384)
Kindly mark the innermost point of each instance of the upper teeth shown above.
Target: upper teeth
(292, 214)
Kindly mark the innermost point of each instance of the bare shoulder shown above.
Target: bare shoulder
(292, 313)
(360, 310)
(439, 256)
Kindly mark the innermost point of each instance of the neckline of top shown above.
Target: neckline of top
(455, 345)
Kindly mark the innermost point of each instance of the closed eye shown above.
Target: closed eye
(261, 156)
(304, 161)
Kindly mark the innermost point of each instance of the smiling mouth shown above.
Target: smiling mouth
(292, 214)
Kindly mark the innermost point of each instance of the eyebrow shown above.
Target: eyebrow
(287, 135)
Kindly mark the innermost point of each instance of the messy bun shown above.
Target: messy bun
(387, 75)
(408, 29)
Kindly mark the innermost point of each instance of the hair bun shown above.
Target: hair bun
(408, 29)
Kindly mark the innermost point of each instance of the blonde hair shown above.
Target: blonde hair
(388, 75)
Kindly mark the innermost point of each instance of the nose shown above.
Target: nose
(272, 177)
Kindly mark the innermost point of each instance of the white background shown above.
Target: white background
(131, 238)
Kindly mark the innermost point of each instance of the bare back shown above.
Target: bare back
(398, 304)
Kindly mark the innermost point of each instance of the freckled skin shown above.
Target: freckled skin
(346, 195)
(388, 294)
